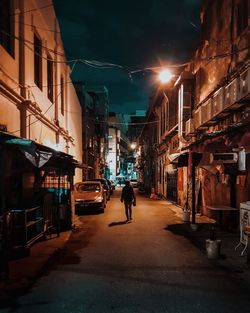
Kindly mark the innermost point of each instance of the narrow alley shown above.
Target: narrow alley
(112, 266)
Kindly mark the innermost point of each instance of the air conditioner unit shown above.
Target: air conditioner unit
(197, 118)
(189, 127)
(220, 158)
(206, 111)
(217, 102)
(244, 92)
(231, 93)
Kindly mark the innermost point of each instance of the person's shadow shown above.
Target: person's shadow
(118, 223)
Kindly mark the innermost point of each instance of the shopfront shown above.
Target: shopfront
(35, 192)
(223, 172)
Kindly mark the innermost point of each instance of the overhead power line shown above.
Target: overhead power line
(34, 9)
(107, 65)
(38, 27)
(43, 114)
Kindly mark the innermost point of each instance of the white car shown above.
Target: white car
(89, 195)
(134, 183)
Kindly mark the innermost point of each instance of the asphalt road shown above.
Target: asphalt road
(111, 266)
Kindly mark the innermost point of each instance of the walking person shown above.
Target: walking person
(128, 197)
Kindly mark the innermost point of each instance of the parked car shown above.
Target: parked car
(134, 183)
(120, 180)
(89, 195)
(111, 186)
(105, 186)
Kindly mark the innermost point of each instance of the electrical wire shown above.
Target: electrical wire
(43, 86)
(26, 42)
(43, 114)
(37, 118)
(128, 123)
(42, 28)
(34, 9)
(107, 65)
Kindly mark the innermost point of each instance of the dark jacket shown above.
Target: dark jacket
(128, 194)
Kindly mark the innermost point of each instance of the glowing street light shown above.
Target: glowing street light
(133, 145)
(165, 76)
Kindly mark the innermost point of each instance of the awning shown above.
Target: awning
(181, 159)
(37, 158)
(170, 168)
(39, 155)
(235, 135)
(178, 159)
(84, 166)
(171, 157)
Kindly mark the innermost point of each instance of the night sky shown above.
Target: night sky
(129, 33)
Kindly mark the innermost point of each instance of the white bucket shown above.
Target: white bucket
(213, 248)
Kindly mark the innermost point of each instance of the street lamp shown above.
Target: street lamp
(133, 145)
(165, 76)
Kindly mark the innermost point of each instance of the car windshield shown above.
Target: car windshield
(103, 182)
(88, 188)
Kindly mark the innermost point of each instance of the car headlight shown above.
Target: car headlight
(79, 201)
(99, 199)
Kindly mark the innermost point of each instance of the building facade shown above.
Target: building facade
(100, 98)
(202, 117)
(117, 158)
(37, 97)
(40, 124)
(220, 124)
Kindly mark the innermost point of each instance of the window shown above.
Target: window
(62, 95)
(50, 78)
(242, 16)
(37, 61)
(6, 27)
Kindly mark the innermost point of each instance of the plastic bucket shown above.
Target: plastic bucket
(213, 248)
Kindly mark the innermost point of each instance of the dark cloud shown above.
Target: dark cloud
(130, 33)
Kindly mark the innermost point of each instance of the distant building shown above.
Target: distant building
(89, 133)
(100, 98)
(136, 123)
(117, 147)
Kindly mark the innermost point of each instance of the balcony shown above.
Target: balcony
(189, 127)
(226, 99)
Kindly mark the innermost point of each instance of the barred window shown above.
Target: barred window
(50, 78)
(38, 61)
(6, 26)
(62, 95)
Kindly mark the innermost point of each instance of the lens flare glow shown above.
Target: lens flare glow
(165, 76)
